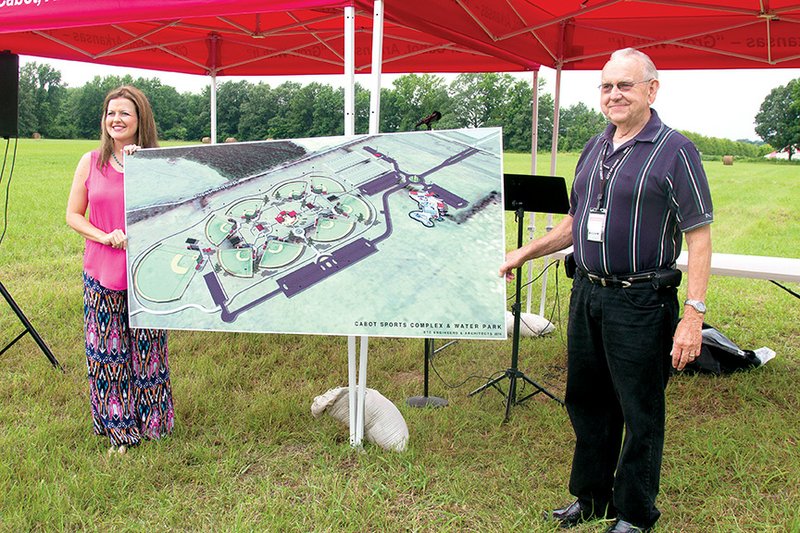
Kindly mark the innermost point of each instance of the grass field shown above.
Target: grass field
(247, 455)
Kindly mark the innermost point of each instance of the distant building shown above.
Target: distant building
(783, 154)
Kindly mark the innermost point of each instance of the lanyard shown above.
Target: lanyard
(605, 177)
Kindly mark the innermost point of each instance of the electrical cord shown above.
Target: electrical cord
(787, 289)
(555, 310)
(8, 181)
(536, 278)
(450, 386)
(556, 302)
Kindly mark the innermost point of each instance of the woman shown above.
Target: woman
(131, 397)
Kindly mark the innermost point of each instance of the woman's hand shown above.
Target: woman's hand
(116, 239)
(130, 148)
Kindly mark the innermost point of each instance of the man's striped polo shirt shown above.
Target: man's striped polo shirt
(652, 188)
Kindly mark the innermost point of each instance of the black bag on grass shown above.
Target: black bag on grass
(720, 355)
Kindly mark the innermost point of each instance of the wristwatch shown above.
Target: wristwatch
(699, 306)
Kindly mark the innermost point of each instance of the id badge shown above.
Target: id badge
(596, 225)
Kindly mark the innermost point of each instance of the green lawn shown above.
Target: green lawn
(247, 454)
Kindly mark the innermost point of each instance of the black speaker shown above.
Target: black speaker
(9, 94)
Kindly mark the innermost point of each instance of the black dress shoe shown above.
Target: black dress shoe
(570, 516)
(621, 526)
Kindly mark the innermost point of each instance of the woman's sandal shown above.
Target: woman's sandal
(117, 449)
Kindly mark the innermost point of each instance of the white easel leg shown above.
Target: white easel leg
(357, 401)
(362, 389)
(351, 374)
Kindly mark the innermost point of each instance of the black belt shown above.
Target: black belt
(623, 281)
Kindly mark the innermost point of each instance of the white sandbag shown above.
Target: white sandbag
(530, 325)
(384, 425)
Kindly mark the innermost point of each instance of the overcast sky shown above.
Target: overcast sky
(715, 103)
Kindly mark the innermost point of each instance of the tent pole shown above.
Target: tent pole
(213, 109)
(349, 71)
(358, 404)
(377, 65)
(356, 373)
(212, 69)
(556, 113)
(553, 154)
(534, 150)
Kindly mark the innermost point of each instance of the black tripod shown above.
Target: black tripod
(28, 329)
(526, 193)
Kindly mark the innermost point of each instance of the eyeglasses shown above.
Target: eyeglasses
(623, 86)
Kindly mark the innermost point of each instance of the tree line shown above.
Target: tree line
(778, 119)
(256, 111)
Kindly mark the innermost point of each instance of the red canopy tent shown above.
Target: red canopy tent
(286, 36)
(580, 34)
(234, 37)
(229, 37)
(249, 37)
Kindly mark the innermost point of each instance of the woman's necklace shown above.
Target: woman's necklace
(114, 155)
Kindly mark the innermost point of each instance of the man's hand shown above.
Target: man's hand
(688, 339)
(557, 239)
(514, 259)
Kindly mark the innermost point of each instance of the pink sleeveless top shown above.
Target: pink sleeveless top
(107, 212)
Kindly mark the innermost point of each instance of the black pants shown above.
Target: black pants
(619, 341)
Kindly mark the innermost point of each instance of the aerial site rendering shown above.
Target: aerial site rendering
(388, 235)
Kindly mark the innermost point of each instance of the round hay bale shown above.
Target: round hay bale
(36, 135)
(206, 140)
(727, 159)
(230, 140)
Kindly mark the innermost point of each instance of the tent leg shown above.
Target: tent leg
(349, 71)
(377, 65)
(553, 155)
(534, 153)
(213, 109)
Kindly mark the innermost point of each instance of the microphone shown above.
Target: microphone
(427, 121)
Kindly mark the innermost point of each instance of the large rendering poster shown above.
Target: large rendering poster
(390, 235)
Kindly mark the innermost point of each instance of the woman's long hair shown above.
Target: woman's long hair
(146, 133)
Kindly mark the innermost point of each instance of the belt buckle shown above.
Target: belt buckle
(625, 284)
(602, 281)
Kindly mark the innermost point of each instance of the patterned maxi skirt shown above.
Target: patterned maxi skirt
(128, 370)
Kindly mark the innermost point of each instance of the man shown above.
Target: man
(637, 187)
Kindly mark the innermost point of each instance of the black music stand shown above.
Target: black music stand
(544, 194)
(28, 329)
